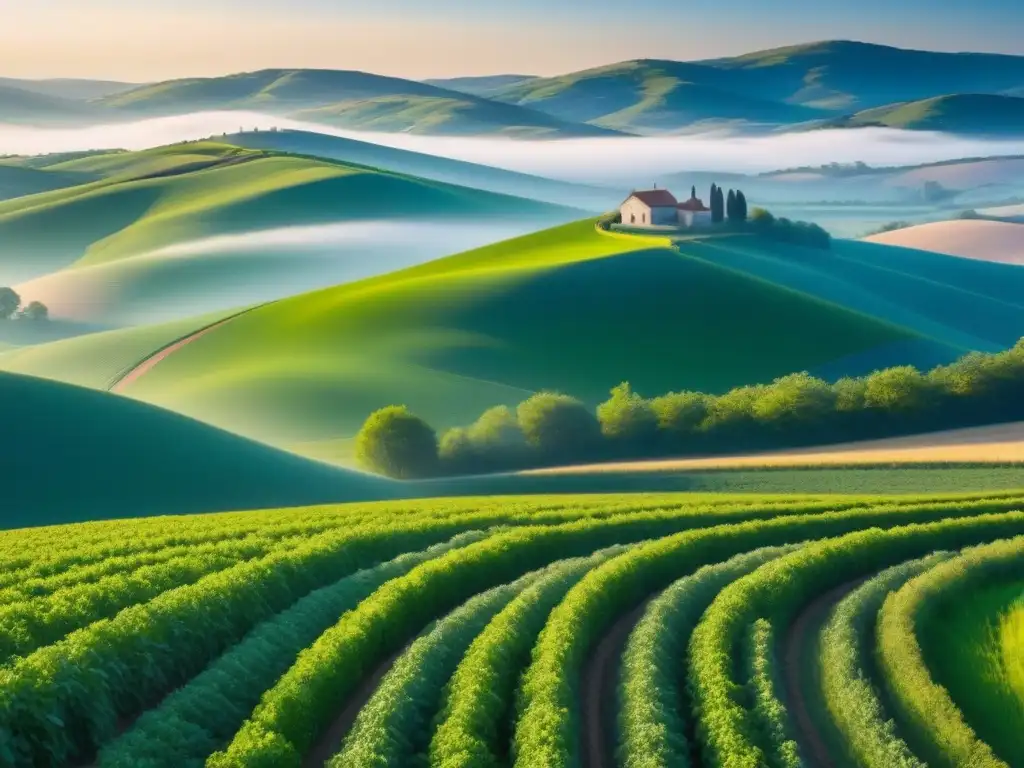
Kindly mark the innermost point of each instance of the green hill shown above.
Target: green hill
(18, 106)
(651, 96)
(479, 86)
(196, 191)
(434, 167)
(566, 308)
(843, 75)
(19, 180)
(354, 100)
(974, 114)
(69, 88)
(75, 454)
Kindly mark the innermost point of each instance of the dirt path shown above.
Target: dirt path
(330, 740)
(598, 694)
(999, 443)
(126, 377)
(799, 642)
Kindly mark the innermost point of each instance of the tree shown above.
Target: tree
(717, 204)
(900, 389)
(627, 417)
(693, 192)
(741, 205)
(795, 400)
(558, 426)
(36, 311)
(681, 413)
(730, 206)
(397, 444)
(9, 302)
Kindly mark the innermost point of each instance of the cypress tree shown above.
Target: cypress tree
(716, 204)
(730, 206)
(741, 206)
(693, 192)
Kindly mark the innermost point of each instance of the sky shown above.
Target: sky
(162, 39)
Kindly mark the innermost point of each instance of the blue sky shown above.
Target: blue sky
(438, 38)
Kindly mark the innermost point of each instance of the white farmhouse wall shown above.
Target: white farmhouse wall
(664, 216)
(635, 212)
(695, 218)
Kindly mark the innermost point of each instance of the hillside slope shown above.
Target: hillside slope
(651, 96)
(996, 241)
(69, 88)
(355, 100)
(566, 309)
(131, 459)
(201, 226)
(972, 114)
(19, 106)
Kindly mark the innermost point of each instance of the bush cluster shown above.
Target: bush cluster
(551, 429)
(796, 232)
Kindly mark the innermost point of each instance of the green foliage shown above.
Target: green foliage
(397, 444)
(558, 426)
(9, 302)
(681, 414)
(35, 311)
(627, 417)
(765, 686)
(898, 390)
(935, 726)
(653, 728)
(795, 401)
(869, 734)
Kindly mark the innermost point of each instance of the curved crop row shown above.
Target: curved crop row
(847, 647)
(118, 666)
(653, 722)
(935, 725)
(546, 731)
(729, 731)
(199, 718)
(393, 727)
(768, 709)
(475, 723)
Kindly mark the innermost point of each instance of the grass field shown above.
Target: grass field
(449, 631)
(77, 454)
(454, 336)
(976, 114)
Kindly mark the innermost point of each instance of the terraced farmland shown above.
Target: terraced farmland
(618, 630)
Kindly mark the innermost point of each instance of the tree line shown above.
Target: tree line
(552, 429)
(11, 307)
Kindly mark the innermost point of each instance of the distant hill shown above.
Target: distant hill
(651, 96)
(19, 180)
(844, 75)
(973, 114)
(432, 167)
(129, 459)
(782, 86)
(180, 230)
(69, 88)
(19, 106)
(355, 100)
(997, 241)
(480, 86)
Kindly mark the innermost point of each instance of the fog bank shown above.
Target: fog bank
(586, 160)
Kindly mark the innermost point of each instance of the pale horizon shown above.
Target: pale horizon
(109, 41)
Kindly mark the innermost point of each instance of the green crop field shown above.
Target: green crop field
(598, 630)
(567, 308)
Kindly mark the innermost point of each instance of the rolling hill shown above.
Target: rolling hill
(973, 114)
(996, 241)
(19, 180)
(187, 229)
(566, 308)
(651, 96)
(434, 167)
(129, 459)
(19, 106)
(69, 88)
(480, 85)
(354, 100)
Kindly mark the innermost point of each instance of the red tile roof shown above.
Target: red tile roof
(693, 204)
(656, 198)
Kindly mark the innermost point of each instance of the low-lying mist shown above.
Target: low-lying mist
(227, 271)
(608, 160)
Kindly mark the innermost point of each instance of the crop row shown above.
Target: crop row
(479, 618)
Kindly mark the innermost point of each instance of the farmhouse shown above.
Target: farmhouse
(659, 208)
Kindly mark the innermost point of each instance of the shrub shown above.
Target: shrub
(627, 417)
(397, 444)
(558, 426)
(9, 302)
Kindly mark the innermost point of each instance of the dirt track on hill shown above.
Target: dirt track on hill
(598, 694)
(813, 746)
(126, 377)
(997, 444)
